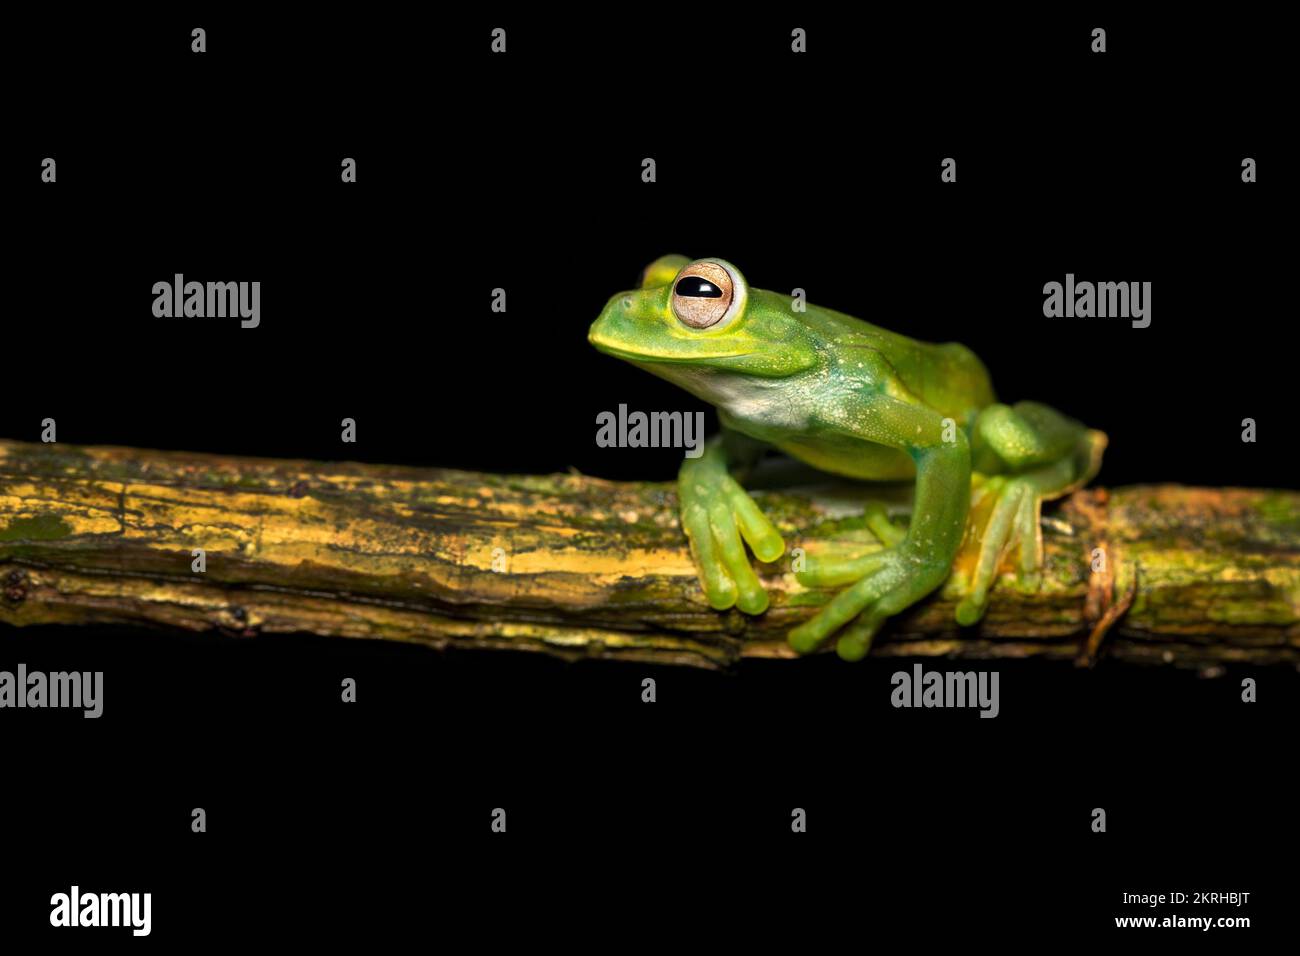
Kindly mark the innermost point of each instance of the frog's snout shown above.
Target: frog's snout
(611, 326)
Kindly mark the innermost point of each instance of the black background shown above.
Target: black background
(522, 171)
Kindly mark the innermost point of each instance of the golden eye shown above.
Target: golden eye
(703, 294)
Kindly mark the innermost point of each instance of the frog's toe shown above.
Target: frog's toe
(715, 527)
(719, 588)
(1028, 539)
(1013, 522)
(880, 524)
(970, 610)
(855, 640)
(750, 596)
(807, 636)
(836, 572)
(756, 527)
(847, 605)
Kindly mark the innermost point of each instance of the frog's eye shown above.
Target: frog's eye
(704, 294)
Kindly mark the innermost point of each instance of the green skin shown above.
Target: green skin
(859, 401)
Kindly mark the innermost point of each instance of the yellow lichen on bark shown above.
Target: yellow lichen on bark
(583, 567)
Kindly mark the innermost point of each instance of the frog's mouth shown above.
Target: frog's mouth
(664, 358)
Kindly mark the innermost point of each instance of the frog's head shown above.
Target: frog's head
(688, 316)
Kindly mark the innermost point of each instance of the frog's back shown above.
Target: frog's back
(946, 376)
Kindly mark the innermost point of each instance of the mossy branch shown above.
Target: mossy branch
(581, 567)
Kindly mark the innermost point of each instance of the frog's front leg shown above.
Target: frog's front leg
(718, 517)
(885, 582)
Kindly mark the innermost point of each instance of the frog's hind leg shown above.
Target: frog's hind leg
(1043, 455)
(1009, 438)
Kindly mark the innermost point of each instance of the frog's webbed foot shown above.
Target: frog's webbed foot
(1006, 518)
(880, 584)
(718, 517)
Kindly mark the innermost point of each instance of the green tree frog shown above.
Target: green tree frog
(855, 400)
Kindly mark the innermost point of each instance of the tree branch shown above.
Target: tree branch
(592, 568)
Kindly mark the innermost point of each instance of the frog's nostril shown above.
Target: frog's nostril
(627, 302)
